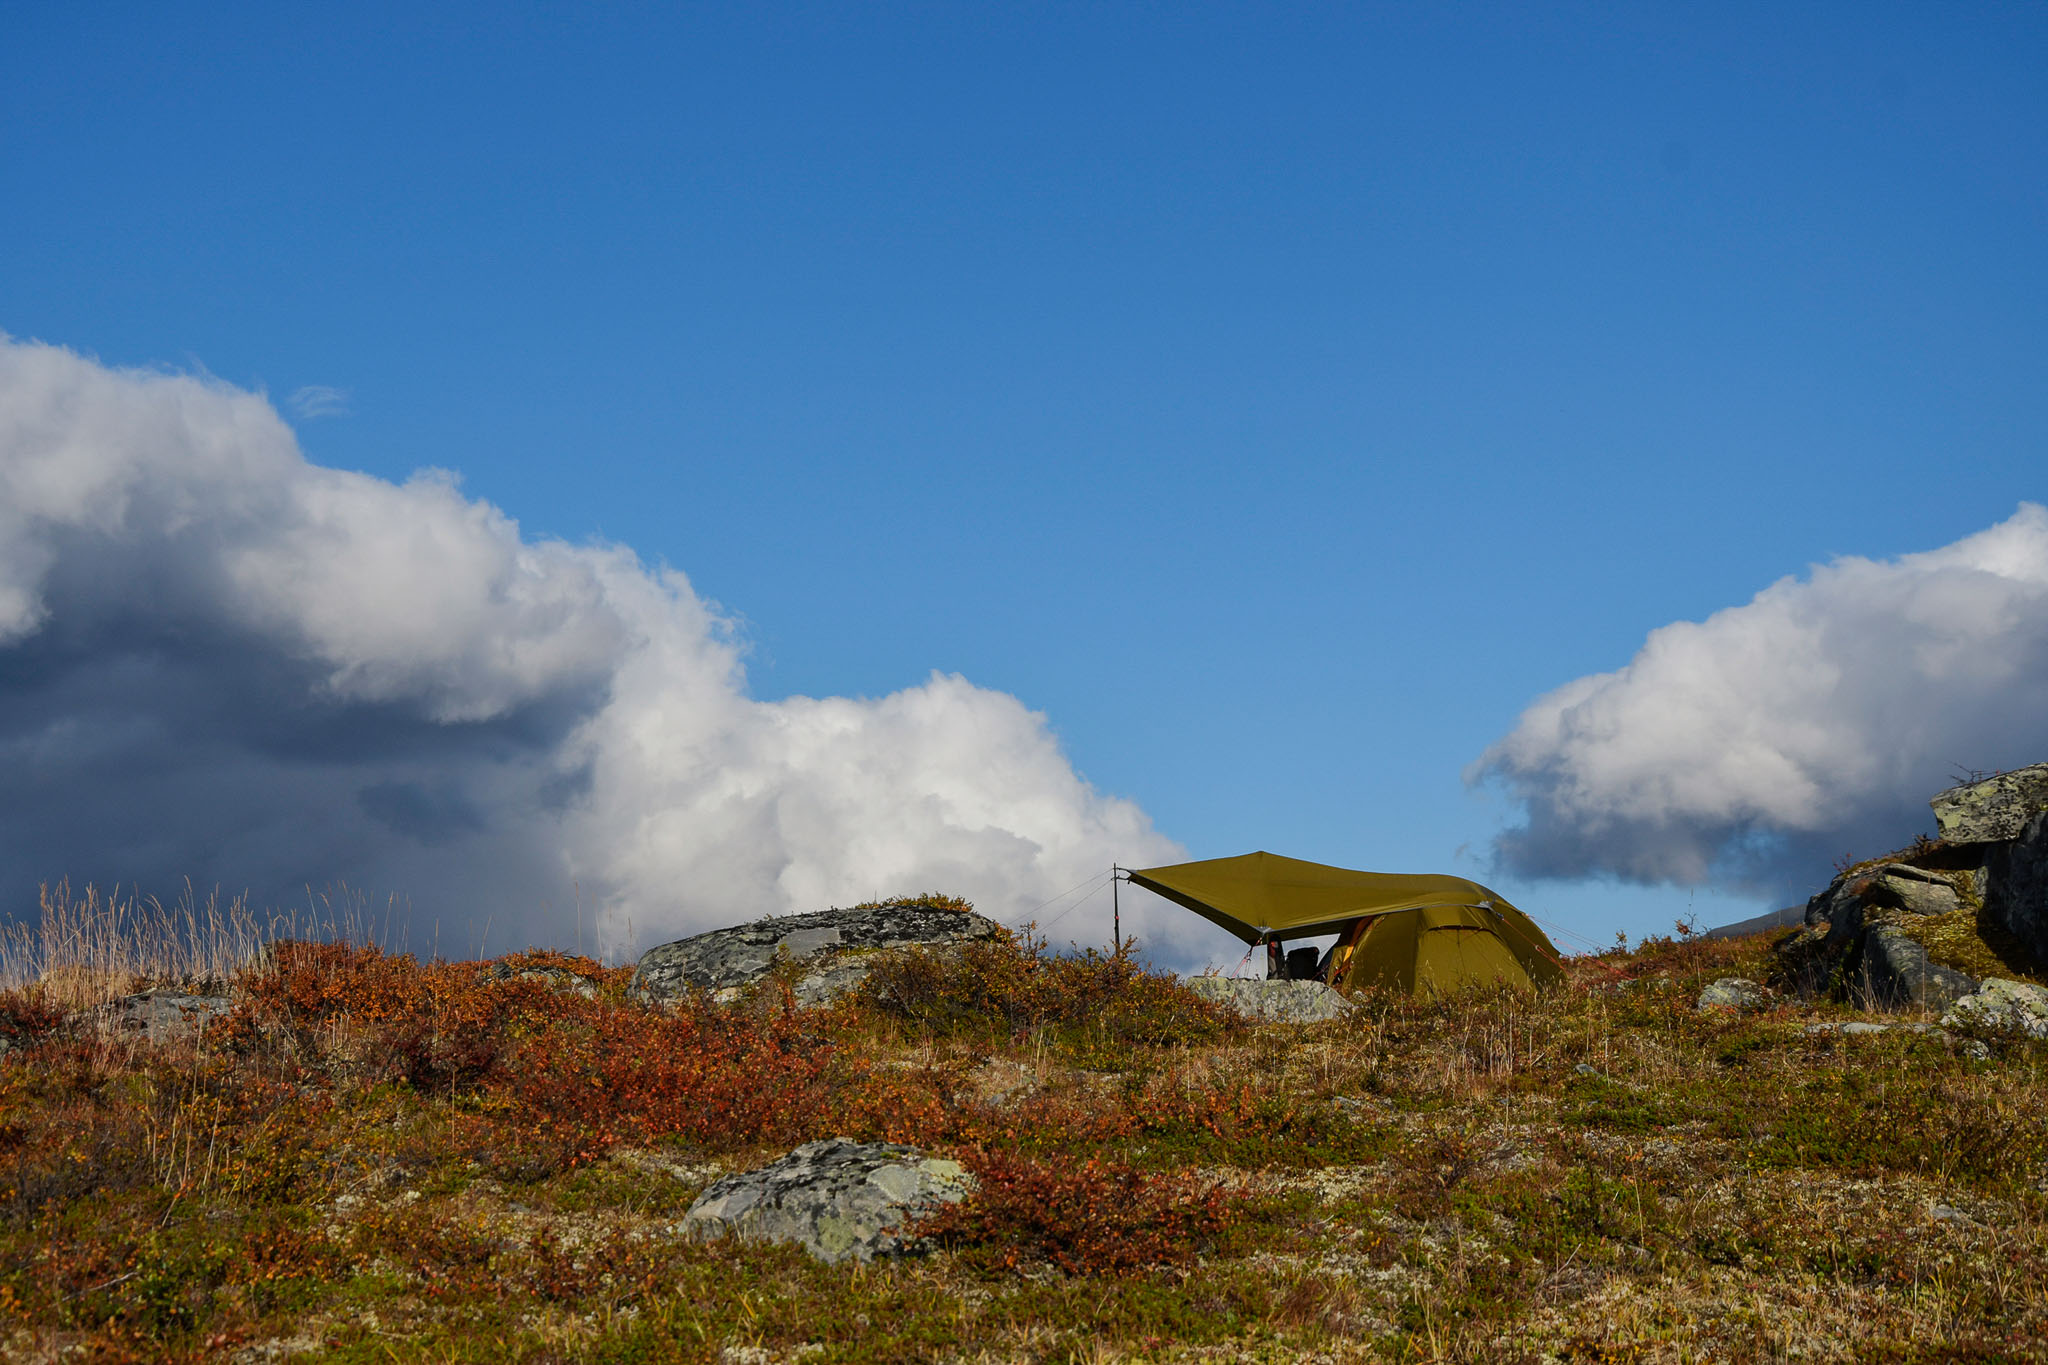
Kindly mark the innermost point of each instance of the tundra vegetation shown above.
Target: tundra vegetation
(373, 1157)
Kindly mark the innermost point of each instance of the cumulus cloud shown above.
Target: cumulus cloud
(1749, 750)
(220, 661)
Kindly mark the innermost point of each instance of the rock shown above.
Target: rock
(1862, 1028)
(2012, 1009)
(1897, 971)
(1292, 1002)
(558, 979)
(1914, 890)
(833, 945)
(2016, 886)
(1887, 886)
(160, 1015)
(1733, 993)
(1992, 808)
(837, 1199)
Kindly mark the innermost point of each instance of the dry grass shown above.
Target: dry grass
(91, 948)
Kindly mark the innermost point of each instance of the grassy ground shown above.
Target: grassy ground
(376, 1159)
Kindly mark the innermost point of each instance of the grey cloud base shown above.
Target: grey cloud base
(220, 662)
(1773, 737)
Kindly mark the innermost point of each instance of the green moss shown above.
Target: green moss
(1970, 941)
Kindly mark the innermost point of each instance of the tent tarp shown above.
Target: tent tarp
(1420, 934)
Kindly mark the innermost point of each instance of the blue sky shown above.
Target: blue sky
(1278, 401)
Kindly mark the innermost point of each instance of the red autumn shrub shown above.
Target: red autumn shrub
(440, 1025)
(716, 1078)
(1098, 1218)
(559, 1077)
(26, 1016)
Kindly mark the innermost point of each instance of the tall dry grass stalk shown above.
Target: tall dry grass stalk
(88, 948)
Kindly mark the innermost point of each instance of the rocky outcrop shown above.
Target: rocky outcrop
(1992, 809)
(833, 947)
(1924, 925)
(839, 1200)
(1861, 937)
(2016, 885)
(1292, 1002)
(2009, 1009)
(1850, 898)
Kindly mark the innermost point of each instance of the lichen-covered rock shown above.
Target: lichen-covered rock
(837, 1199)
(1293, 1002)
(2017, 1009)
(1992, 808)
(1897, 971)
(560, 980)
(160, 1015)
(1733, 993)
(834, 946)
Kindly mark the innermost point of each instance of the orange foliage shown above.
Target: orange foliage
(562, 1077)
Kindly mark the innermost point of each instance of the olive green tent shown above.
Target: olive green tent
(1421, 935)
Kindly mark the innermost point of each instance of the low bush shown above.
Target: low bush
(26, 1016)
(1098, 1218)
(554, 1078)
(1092, 1003)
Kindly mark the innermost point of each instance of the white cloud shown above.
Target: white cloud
(1750, 749)
(314, 401)
(220, 661)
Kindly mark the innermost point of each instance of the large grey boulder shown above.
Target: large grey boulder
(1897, 971)
(1992, 808)
(2016, 1009)
(835, 948)
(1292, 1002)
(839, 1200)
